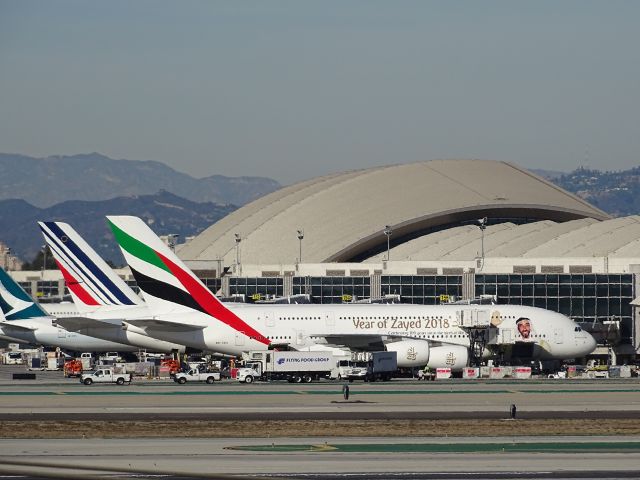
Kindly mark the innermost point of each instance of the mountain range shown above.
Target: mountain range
(617, 193)
(44, 182)
(164, 211)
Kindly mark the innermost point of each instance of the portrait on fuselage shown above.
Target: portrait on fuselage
(523, 324)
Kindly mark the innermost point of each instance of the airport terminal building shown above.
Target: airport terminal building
(428, 233)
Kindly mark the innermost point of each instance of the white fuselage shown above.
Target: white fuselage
(42, 331)
(554, 335)
(110, 327)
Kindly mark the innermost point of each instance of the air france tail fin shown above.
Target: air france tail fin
(169, 286)
(16, 304)
(90, 280)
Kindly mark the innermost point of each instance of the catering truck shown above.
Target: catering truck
(105, 375)
(295, 367)
(370, 366)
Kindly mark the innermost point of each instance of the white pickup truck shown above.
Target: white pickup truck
(105, 375)
(194, 375)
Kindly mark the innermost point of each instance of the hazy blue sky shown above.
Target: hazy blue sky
(295, 89)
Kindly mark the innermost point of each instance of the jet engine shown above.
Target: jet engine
(448, 356)
(411, 353)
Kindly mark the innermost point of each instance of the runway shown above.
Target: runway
(212, 457)
(253, 416)
(393, 400)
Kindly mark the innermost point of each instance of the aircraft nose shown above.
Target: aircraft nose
(590, 344)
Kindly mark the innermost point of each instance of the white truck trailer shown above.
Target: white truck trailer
(293, 366)
(371, 366)
(105, 375)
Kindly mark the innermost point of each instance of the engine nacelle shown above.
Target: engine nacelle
(454, 357)
(411, 353)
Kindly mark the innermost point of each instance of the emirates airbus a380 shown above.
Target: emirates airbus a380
(187, 313)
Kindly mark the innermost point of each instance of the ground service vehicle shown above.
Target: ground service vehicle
(73, 368)
(173, 365)
(371, 366)
(194, 375)
(12, 358)
(87, 360)
(105, 375)
(294, 367)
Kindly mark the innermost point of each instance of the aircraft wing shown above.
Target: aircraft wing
(165, 325)
(75, 324)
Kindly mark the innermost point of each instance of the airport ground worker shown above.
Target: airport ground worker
(345, 391)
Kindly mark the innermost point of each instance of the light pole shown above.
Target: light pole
(172, 240)
(388, 231)
(483, 225)
(300, 237)
(238, 240)
(44, 260)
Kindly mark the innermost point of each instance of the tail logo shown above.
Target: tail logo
(181, 287)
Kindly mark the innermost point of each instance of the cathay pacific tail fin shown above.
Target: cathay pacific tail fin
(15, 302)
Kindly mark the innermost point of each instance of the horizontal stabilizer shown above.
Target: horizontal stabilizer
(8, 326)
(75, 324)
(165, 325)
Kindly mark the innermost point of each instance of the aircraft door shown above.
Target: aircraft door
(557, 335)
(299, 337)
(507, 335)
(481, 317)
(270, 322)
(62, 333)
(330, 320)
(240, 336)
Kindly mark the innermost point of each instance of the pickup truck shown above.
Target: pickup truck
(194, 375)
(105, 375)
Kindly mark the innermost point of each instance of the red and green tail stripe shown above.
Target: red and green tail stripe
(198, 297)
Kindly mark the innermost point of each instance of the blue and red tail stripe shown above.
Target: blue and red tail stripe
(89, 269)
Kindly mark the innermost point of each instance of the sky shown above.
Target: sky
(295, 89)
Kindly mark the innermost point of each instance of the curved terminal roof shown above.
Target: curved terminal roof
(586, 237)
(343, 215)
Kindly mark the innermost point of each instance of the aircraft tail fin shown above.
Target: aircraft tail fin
(168, 284)
(15, 302)
(90, 280)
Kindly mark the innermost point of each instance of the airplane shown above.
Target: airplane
(102, 301)
(26, 321)
(186, 312)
